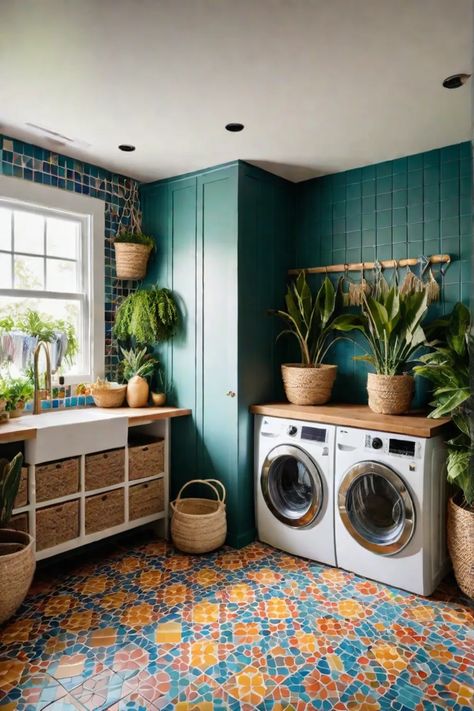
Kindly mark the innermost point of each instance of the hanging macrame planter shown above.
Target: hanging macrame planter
(132, 247)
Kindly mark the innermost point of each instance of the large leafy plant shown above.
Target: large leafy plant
(391, 326)
(447, 367)
(10, 473)
(312, 319)
(147, 315)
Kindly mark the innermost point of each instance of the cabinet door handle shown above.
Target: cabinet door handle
(230, 393)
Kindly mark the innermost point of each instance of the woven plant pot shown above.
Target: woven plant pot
(308, 384)
(17, 566)
(390, 394)
(461, 545)
(109, 397)
(199, 525)
(131, 260)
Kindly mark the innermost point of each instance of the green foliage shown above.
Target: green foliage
(15, 390)
(391, 326)
(447, 367)
(10, 473)
(312, 320)
(147, 315)
(137, 362)
(135, 238)
(44, 328)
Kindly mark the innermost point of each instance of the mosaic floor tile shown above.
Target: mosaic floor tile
(139, 626)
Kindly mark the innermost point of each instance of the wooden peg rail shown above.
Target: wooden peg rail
(385, 264)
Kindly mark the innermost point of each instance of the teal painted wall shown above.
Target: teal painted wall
(420, 204)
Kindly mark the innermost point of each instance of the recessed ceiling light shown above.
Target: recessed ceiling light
(127, 147)
(234, 127)
(455, 81)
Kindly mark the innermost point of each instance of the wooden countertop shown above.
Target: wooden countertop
(415, 424)
(26, 426)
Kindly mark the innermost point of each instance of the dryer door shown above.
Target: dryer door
(376, 508)
(291, 486)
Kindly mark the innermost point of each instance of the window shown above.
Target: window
(51, 262)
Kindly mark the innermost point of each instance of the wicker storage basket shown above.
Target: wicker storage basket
(145, 458)
(461, 545)
(57, 479)
(146, 499)
(307, 385)
(109, 397)
(17, 566)
(57, 524)
(131, 260)
(199, 525)
(105, 469)
(22, 496)
(105, 510)
(390, 394)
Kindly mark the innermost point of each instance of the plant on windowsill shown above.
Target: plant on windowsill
(15, 392)
(17, 559)
(137, 368)
(447, 367)
(391, 326)
(312, 320)
(132, 250)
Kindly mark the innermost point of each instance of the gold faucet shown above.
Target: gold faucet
(37, 397)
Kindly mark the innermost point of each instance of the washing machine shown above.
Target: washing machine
(390, 504)
(294, 486)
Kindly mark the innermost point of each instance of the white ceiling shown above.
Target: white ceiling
(321, 85)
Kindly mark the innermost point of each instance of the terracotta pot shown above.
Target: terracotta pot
(461, 545)
(137, 392)
(390, 394)
(158, 399)
(17, 566)
(308, 384)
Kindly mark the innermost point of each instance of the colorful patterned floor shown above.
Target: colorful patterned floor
(143, 627)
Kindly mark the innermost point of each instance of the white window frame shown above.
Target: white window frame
(52, 201)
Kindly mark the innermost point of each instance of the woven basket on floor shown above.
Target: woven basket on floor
(461, 545)
(199, 525)
(307, 384)
(390, 394)
(131, 260)
(17, 566)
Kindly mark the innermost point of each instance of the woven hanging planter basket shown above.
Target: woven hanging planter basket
(131, 260)
(390, 394)
(461, 545)
(199, 525)
(308, 384)
(17, 566)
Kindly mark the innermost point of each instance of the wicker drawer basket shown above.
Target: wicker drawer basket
(146, 458)
(57, 479)
(105, 469)
(105, 511)
(22, 496)
(19, 522)
(146, 499)
(57, 524)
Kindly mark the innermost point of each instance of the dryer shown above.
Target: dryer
(390, 504)
(294, 486)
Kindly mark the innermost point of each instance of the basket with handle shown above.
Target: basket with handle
(199, 525)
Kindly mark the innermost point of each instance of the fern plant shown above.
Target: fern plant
(148, 315)
(135, 238)
(10, 473)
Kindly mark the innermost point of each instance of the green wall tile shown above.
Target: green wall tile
(415, 162)
(368, 205)
(368, 237)
(415, 178)
(415, 196)
(431, 246)
(399, 233)
(399, 198)
(384, 202)
(415, 232)
(449, 170)
(431, 230)
(368, 188)
(384, 235)
(415, 213)
(384, 184)
(399, 216)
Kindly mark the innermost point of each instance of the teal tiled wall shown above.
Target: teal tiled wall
(419, 204)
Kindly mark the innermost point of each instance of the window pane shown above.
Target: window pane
(29, 232)
(5, 271)
(5, 228)
(29, 272)
(61, 275)
(62, 238)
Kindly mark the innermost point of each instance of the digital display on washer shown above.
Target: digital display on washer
(401, 446)
(314, 434)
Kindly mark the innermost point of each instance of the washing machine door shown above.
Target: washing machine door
(291, 486)
(376, 508)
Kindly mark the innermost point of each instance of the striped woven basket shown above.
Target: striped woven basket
(131, 260)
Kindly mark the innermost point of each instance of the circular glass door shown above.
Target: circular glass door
(376, 508)
(291, 486)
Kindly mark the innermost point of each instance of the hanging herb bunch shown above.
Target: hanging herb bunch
(147, 316)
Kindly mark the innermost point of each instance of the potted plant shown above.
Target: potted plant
(391, 326)
(15, 391)
(447, 367)
(17, 560)
(312, 321)
(147, 316)
(132, 250)
(137, 366)
(162, 389)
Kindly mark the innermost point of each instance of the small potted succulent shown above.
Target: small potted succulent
(17, 559)
(132, 250)
(15, 392)
(137, 368)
